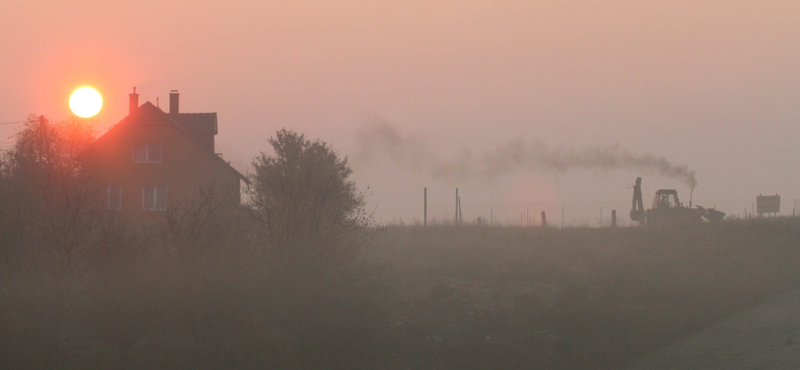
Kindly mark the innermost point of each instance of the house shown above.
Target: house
(152, 160)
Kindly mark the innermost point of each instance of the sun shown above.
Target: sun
(85, 102)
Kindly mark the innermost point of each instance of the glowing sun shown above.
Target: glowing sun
(85, 102)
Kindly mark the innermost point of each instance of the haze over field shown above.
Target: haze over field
(478, 92)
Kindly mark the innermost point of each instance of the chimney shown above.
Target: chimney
(173, 102)
(133, 101)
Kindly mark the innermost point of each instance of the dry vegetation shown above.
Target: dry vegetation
(215, 297)
(481, 298)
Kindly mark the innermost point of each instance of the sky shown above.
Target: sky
(433, 93)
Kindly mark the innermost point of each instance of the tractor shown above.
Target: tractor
(667, 209)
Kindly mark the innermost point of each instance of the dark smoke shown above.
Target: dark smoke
(381, 137)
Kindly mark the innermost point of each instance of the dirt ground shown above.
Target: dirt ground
(764, 337)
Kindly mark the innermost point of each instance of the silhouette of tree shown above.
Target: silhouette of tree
(312, 215)
(46, 148)
(53, 216)
(329, 298)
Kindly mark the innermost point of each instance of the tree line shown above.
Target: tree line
(285, 280)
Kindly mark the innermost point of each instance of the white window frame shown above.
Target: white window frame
(149, 153)
(150, 194)
(110, 190)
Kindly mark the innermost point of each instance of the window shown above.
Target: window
(147, 153)
(154, 198)
(114, 197)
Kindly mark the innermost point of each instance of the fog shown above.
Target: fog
(703, 86)
(521, 111)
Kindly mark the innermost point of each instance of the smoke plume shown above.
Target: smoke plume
(407, 151)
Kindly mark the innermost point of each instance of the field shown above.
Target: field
(481, 298)
(439, 297)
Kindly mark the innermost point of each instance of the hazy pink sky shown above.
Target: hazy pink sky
(714, 85)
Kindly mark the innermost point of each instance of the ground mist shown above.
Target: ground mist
(443, 297)
(480, 298)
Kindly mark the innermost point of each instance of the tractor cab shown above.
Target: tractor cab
(667, 210)
(666, 198)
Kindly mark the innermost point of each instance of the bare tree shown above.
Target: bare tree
(58, 221)
(213, 284)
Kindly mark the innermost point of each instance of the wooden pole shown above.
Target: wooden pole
(460, 215)
(544, 220)
(425, 212)
(455, 220)
(613, 218)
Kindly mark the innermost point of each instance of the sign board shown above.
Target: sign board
(768, 204)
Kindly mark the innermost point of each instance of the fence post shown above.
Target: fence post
(455, 220)
(544, 220)
(425, 214)
(613, 218)
(460, 215)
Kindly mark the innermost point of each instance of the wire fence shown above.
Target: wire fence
(580, 214)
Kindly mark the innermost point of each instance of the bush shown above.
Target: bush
(318, 240)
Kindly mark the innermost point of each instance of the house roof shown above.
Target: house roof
(200, 122)
(147, 113)
(188, 123)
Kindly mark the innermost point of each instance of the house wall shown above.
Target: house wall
(185, 167)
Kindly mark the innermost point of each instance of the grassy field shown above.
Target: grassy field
(445, 298)
(480, 298)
